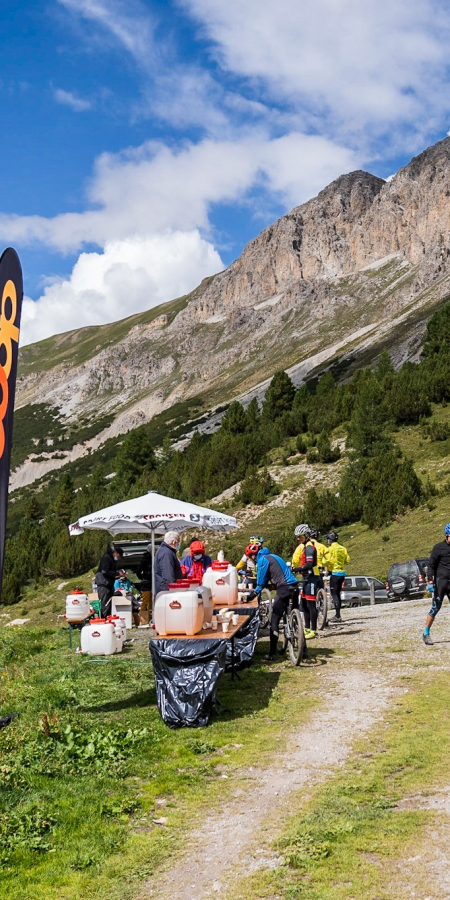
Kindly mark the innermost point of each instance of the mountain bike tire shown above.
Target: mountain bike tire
(322, 608)
(297, 642)
(265, 608)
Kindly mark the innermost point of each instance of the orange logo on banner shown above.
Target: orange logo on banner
(8, 333)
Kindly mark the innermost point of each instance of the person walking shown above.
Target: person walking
(167, 566)
(438, 573)
(105, 578)
(336, 560)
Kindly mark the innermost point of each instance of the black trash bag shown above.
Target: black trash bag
(186, 678)
(245, 640)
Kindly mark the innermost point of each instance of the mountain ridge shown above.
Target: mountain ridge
(357, 268)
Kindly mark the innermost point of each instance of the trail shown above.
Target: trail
(356, 691)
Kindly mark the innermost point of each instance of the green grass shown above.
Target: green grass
(80, 787)
(350, 839)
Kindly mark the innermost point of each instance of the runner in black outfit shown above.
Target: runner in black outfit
(439, 576)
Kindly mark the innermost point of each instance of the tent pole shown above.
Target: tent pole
(153, 568)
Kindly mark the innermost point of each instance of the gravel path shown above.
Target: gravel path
(356, 690)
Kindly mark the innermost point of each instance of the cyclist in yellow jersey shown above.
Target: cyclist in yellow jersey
(305, 560)
(336, 560)
(248, 562)
(302, 533)
(321, 551)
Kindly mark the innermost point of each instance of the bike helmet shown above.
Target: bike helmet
(315, 534)
(255, 539)
(302, 531)
(332, 536)
(447, 529)
(252, 549)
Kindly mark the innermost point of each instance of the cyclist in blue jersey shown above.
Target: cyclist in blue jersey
(273, 570)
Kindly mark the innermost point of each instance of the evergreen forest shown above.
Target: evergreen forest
(377, 483)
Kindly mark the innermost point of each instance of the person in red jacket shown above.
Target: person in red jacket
(195, 565)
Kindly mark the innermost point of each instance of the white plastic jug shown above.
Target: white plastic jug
(222, 579)
(120, 630)
(98, 638)
(178, 610)
(77, 607)
(206, 594)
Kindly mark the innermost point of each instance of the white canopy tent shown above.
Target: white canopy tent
(155, 514)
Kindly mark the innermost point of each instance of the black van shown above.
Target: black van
(408, 579)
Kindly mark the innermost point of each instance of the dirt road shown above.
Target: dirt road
(356, 689)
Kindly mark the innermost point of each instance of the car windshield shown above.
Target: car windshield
(403, 569)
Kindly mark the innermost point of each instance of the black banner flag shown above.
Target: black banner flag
(11, 294)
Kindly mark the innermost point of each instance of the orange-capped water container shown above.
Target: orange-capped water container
(77, 606)
(120, 630)
(222, 580)
(98, 638)
(179, 610)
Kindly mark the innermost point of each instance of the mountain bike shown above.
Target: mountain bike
(323, 603)
(292, 634)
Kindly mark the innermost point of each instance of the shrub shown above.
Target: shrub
(257, 487)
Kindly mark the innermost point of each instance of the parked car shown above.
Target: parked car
(407, 579)
(133, 550)
(356, 590)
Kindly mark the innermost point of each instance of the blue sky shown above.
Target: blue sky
(144, 143)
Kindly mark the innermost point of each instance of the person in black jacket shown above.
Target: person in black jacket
(167, 566)
(105, 578)
(439, 577)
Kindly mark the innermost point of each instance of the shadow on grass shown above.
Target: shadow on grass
(317, 656)
(139, 700)
(339, 631)
(251, 694)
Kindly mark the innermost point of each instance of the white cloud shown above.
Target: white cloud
(371, 64)
(130, 24)
(153, 188)
(130, 276)
(66, 98)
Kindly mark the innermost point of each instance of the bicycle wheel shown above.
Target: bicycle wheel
(265, 608)
(322, 608)
(297, 641)
(283, 638)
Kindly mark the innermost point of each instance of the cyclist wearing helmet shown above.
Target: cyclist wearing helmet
(305, 559)
(303, 534)
(439, 576)
(273, 570)
(336, 559)
(321, 550)
(245, 562)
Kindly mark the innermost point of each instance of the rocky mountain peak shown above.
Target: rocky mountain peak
(362, 264)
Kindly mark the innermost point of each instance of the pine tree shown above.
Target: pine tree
(279, 397)
(135, 457)
(235, 419)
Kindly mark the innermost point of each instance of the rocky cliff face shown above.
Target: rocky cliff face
(360, 266)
